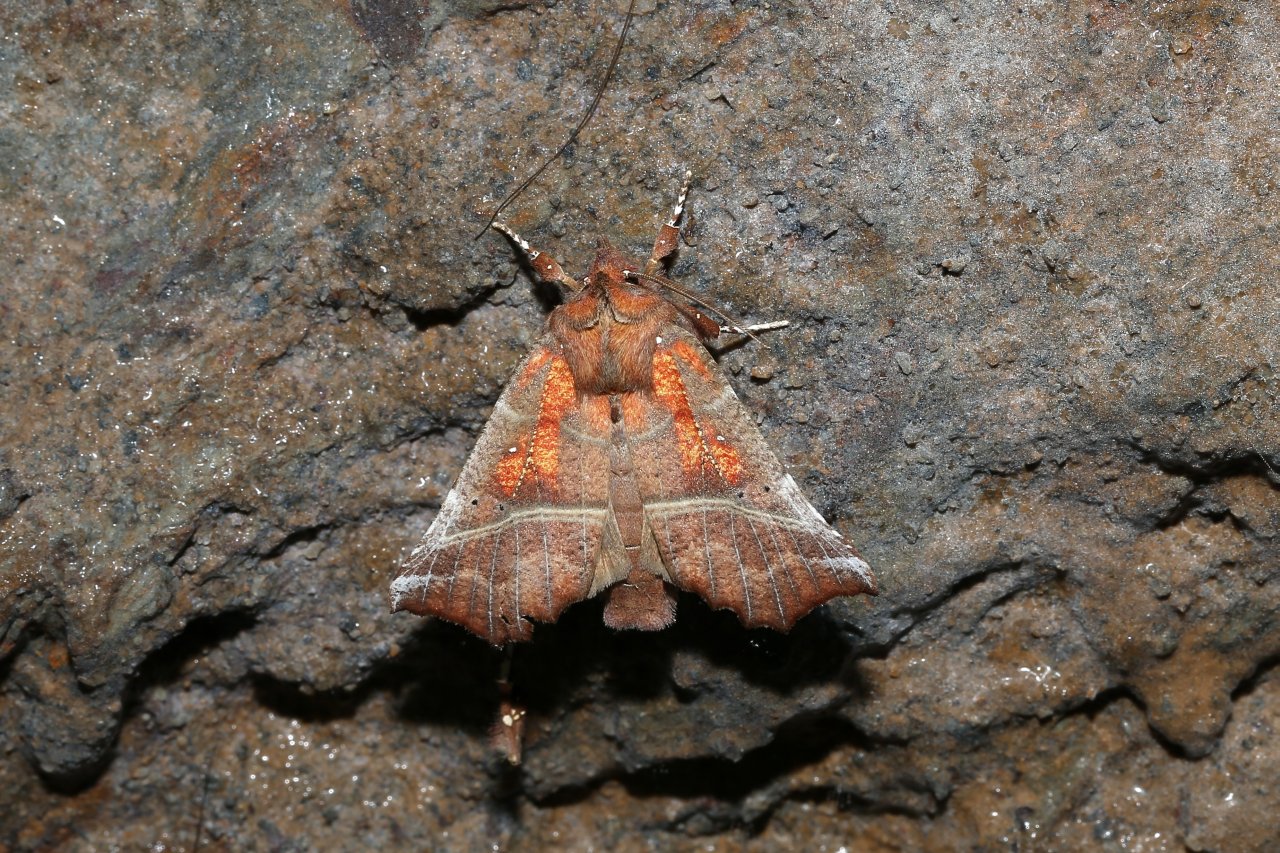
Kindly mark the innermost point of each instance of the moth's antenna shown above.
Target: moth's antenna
(732, 324)
(547, 267)
(591, 110)
(757, 327)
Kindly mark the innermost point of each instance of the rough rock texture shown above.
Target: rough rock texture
(1027, 251)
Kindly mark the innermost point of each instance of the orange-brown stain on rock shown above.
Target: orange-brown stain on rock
(723, 31)
(221, 203)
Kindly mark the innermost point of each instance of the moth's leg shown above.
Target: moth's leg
(669, 233)
(546, 267)
(508, 732)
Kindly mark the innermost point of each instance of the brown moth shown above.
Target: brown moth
(619, 460)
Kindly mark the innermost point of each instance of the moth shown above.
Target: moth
(618, 460)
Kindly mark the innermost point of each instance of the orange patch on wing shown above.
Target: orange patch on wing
(728, 461)
(698, 451)
(511, 467)
(668, 387)
(533, 461)
(537, 361)
(690, 355)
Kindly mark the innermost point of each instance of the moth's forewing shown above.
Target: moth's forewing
(730, 523)
(519, 535)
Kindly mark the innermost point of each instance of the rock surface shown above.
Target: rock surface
(248, 341)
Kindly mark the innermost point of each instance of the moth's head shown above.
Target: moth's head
(608, 267)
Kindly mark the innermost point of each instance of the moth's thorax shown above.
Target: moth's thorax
(610, 328)
(608, 335)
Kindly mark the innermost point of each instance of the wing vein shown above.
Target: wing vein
(515, 571)
(671, 551)
(457, 561)
(426, 584)
(493, 568)
(773, 581)
(706, 552)
(786, 568)
(803, 556)
(742, 569)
